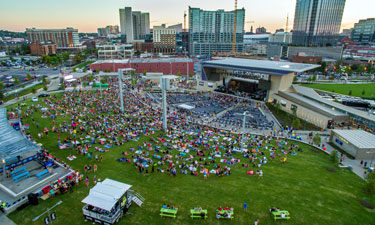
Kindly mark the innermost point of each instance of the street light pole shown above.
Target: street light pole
(47, 211)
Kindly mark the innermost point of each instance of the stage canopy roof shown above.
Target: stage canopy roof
(106, 194)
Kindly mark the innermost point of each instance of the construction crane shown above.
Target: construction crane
(234, 28)
(184, 21)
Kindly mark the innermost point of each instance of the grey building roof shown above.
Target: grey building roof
(146, 60)
(358, 138)
(266, 65)
(12, 143)
(310, 93)
(313, 105)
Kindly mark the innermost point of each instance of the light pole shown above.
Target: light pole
(164, 84)
(47, 211)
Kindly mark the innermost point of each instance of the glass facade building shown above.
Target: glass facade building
(364, 31)
(212, 31)
(317, 22)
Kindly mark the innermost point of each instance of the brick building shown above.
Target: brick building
(65, 39)
(37, 48)
(155, 65)
(164, 40)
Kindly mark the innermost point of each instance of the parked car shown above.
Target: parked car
(43, 95)
(34, 99)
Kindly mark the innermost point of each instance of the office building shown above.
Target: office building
(364, 31)
(164, 39)
(134, 25)
(212, 31)
(108, 31)
(116, 51)
(317, 22)
(65, 39)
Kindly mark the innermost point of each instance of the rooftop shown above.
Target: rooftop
(311, 93)
(12, 143)
(358, 138)
(266, 66)
(146, 60)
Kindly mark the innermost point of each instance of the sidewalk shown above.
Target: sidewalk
(4, 220)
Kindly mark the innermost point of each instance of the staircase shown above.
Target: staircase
(137, 198)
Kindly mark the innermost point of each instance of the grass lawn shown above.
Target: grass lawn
(302, 186)
(80, 66)
(23, 92)
(344, 89)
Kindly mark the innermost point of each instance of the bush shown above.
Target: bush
(350, 92)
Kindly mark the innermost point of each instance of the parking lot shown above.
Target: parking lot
(22, 74)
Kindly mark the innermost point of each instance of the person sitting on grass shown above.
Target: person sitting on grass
(203, 214)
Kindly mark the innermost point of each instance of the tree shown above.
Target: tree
(74, 85)
(84, 84)
(370, 184)
(104, 80)
(33, 90)
(278, 107)
(45, 88)
(91, 77)
(317, 139)
(29, 76)
(334, 157)
(144, 72)
(313, 78)
(1, 85)
(16, 81)
(109, 70)
(296, 123)
(1, 95)
(363, 92)
(44, 81)
(350, 92)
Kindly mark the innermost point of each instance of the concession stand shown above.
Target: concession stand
(107, 202)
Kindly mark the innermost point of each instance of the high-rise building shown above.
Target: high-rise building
(261, 30)
(102, 32)
(364, 31)
(63, 38)
(317, 22)
(164, 39)
(212, 31)
(135, 25)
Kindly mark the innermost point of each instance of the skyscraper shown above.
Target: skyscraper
(134, 25)
(212, 31)
(317, 22)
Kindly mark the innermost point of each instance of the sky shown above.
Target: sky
(88, 15)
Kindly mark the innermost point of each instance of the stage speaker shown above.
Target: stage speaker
(33, 199)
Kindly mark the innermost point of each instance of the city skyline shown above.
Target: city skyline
(22, 14)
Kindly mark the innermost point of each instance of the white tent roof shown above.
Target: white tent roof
(105, 194)
(185, 106)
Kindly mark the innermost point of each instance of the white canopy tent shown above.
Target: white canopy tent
(106, 194)
(185, 106)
